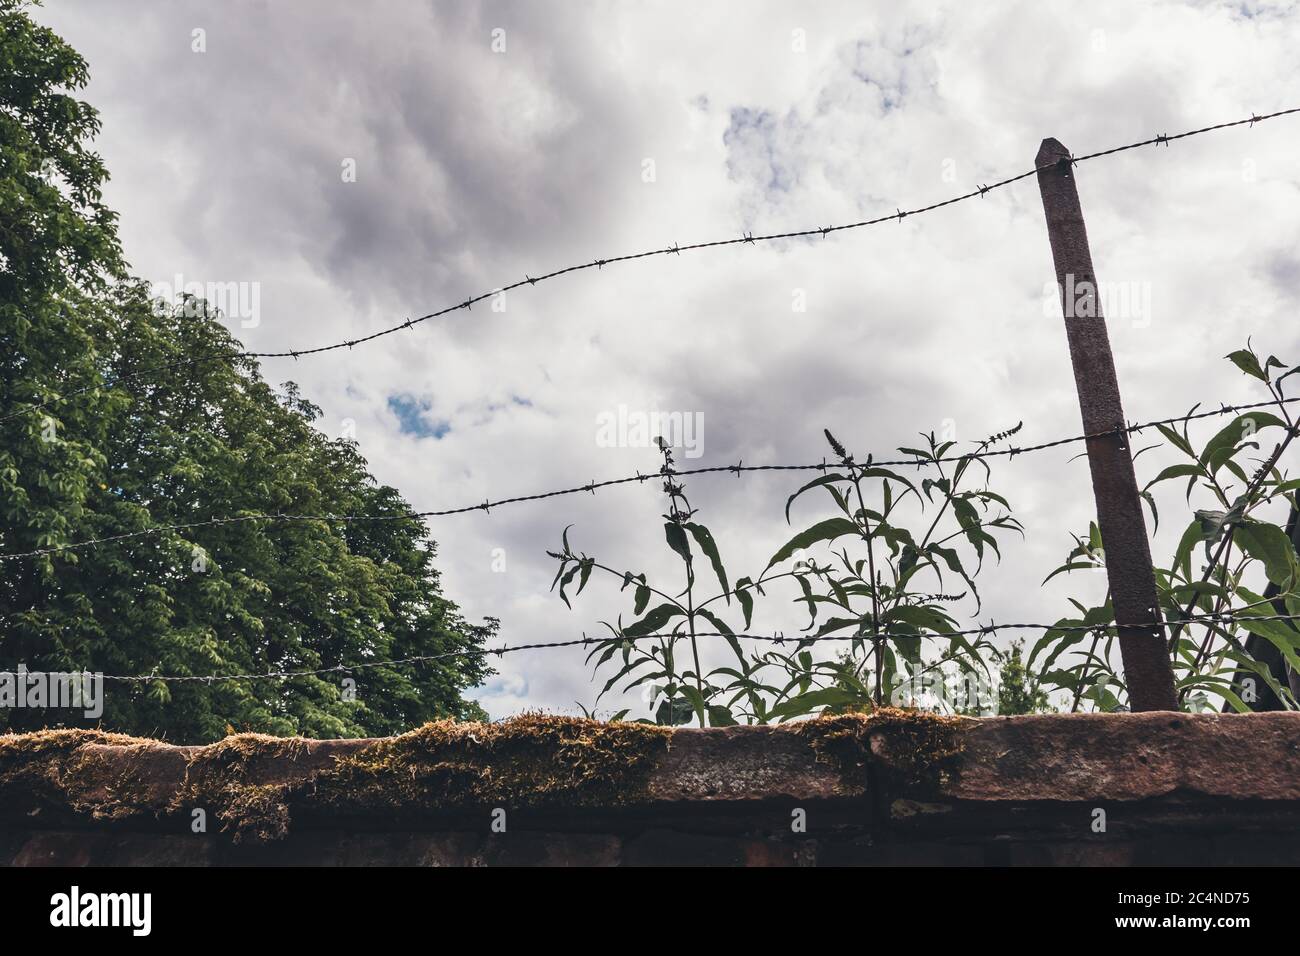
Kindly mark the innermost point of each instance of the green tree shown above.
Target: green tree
(117, 415)
(1018, 689)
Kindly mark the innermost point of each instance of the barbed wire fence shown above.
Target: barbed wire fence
(1221, 618)
(778, 638)
(592, 486)
(675, 249)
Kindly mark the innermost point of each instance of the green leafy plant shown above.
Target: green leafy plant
(1019, 690)
(678, 692)
(878, 592)
(1234, 488)
(882, 593)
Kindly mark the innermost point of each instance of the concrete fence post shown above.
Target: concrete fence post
(1147, 668)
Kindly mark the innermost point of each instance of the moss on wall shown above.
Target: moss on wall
(911, 747)
(219, 779)
(529, 761)
(254, 785)
(48, 770)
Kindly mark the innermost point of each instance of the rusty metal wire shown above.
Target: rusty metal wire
(749, 239)
(592, 486)
(675, 249)
(777, 639)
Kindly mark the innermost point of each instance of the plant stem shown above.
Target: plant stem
(877, 646)
(1227, 537)
(1083, 674)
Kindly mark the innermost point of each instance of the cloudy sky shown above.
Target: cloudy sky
(356, 164)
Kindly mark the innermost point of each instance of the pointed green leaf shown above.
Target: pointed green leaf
(826, 530)
(815, 483)
(653, 621)
(704, 538)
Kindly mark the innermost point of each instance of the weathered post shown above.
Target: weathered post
(1147, 669)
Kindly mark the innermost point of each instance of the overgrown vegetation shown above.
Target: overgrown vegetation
(1241, 502)
(909, 537)
(881, 597)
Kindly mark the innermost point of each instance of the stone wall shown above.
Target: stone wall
(890, 788)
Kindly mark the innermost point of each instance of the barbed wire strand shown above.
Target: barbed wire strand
(676, 249)
(592, 486)
(991, 629)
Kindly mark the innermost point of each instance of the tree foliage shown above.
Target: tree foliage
(120, 414)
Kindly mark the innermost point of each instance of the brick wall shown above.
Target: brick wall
(891, 788)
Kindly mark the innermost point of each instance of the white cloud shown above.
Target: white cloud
(475, 168)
